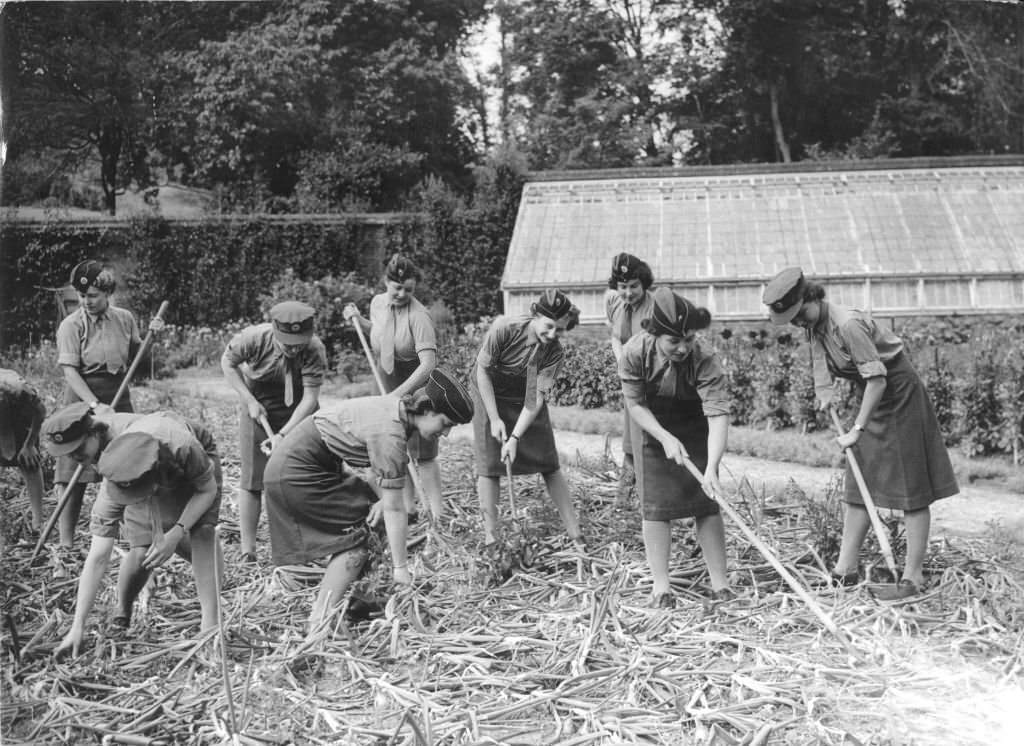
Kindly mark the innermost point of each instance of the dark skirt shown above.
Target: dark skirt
(315, 506)
(535, 453)
(421, 449)
(250, 433)
(104, 386)
(668, 490)
(901, 452)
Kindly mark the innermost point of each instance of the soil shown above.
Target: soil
(980, 510)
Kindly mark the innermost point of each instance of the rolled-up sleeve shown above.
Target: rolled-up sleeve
(314, 363)
(240, 348)
(388, 459)
(69, 341)
(862, 349)
(631, 373)
(423, 333)
(713, 387)
(490, 348)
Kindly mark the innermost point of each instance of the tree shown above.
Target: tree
(350, 102)
(84, 77)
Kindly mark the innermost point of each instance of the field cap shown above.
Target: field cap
(672, 314)
(129, 465)
(293, 322)
(64, 430)
(556, 305)
(84, 275)
(625, 267)
(399, 269)
(448, 396)
(784, 295)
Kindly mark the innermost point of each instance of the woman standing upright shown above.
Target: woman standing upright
(276, 369)
(895, 433)
(515, 369)
(95, 347)
(628, 303)
(403, 337)
(676, 394)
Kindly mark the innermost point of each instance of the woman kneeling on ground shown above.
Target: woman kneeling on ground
(515, 368)
(317, 506)
(895, 432)
(678, 401)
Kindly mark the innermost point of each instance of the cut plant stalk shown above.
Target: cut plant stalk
(869, 503)
(66, 495)
(769, 555)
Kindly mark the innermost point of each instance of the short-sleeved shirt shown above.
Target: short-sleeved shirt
(699, 377)
(369, 432)
(510, 345)
(614, 307)
(20, 406)
(104, 343)
(848, 343)
(265, 360)
(192, 463)
(413, 327)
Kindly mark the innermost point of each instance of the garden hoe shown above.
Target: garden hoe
(767, 553)
(869, 504)
(45, 533)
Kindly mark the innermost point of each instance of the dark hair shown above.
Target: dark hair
(418, 402)
(643, 272)
(813, 291)
(701, 318)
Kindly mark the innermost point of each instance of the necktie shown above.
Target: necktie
(530, 398)
(108, 344)
(289, 384)
(155, 522)
(387, 342)
(626, 323)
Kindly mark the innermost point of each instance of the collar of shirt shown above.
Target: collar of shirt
(94, 317)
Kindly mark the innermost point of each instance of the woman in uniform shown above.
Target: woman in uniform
(515, 369)
(627, 304)
(403, 338)
(276, 369)
(161, 492)
(95, 347)
(895, 433)
(676, 394)
(317, 506)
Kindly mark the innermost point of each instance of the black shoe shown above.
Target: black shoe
(249, 558)
(903, 589)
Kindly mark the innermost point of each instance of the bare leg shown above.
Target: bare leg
(34, 485)
(131, 579)
(658, 548)
(855, 527)
(249, 504)
(430, 475)
(203, 548)
(558, 488)
(918, 524)
(409, 496)
(342, 570)
(711, 537)
(487, 489)
(72, 511)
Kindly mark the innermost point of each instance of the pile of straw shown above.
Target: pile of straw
(537, 644)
